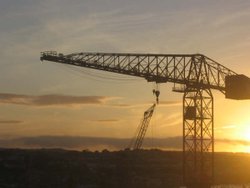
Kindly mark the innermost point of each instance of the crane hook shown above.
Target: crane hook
(156, 92)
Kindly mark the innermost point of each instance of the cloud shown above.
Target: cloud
(161, 104)
(234, 142)
(91, 143)
(106, 120)
(231, 19)
(227, 127)
(170, 103)
(51, 100)
(66, 142)
(100, 143)
(10, 122)
(122, 105)
(174, 119)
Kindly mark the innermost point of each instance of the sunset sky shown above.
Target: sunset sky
(39, 99)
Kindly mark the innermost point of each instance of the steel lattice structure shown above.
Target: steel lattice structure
(197, 74)
(142, 129)
(195, 70)
(198, 137)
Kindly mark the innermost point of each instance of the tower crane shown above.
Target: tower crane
(142, 129)
(198, 75)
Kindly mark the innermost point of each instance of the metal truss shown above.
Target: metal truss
(196, 73)
(194, 70)
(142, 129)
(198, 137)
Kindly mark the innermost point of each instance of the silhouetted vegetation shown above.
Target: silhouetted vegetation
(55, 168)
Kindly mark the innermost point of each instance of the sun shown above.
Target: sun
(245, 135)
(239, 134)
(247, 149)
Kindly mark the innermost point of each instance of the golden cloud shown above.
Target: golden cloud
(10, 121)
(51, 100)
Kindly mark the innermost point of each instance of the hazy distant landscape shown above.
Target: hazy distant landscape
(42, 168)
(92, 143)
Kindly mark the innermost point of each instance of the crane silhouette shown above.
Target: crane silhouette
(198, 75)
(142, 129)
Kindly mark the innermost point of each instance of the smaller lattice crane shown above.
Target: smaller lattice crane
(142, 129)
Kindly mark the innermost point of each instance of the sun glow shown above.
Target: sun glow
(242, 133)
(247, 149)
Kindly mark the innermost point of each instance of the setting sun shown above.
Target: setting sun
(241, 134)
(242, 126)
(246, 132)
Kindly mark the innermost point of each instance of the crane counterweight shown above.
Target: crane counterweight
(237, 87)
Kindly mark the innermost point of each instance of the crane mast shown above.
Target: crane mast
(198, 75)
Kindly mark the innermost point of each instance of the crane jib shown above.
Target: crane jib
(190, 70)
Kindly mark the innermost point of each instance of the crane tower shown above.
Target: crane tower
(198, 75)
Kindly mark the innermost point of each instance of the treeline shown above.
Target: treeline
(56, 168)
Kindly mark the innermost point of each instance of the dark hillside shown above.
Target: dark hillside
(134, 169)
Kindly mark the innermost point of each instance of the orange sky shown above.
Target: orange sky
(38, 99)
